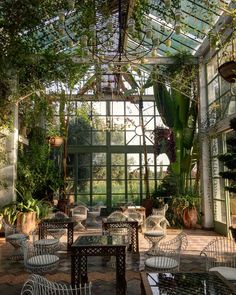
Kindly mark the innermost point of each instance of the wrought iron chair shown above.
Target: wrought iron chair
(167, 255)
(132, 213)
(93, 213)
(39, 285)
(51, 244)
(220, 255)
(37, 259)
(154, 231)
(80, 214)
(160, 211)
(16, 239)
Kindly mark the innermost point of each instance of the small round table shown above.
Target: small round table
(154, 236)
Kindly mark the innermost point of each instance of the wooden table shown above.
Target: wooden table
(85, 246)
(129, 223)
(185, 284)
(56, 223)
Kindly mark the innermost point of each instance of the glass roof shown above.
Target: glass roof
(196, 19)
(100, 30)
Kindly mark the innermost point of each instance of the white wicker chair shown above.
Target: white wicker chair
(132, 213)
(16, 239)
(51, 244)
(80, 214)
(220, 255)
(167, 256)
(39, 285)
(154, 231)
(37, 259)
(160, 211)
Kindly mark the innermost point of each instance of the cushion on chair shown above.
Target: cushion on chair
(161, 262)
(42, 260)
(227, 272)
(154, 233)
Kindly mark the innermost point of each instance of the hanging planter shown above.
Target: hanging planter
(228, 71)
(55, 141)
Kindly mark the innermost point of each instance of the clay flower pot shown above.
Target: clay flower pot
(55, 141)
(190, 217)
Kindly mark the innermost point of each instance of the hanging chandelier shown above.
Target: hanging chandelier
(120, 31)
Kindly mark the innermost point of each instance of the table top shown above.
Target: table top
(58, 220)
(101, 240)
(186, 283)
(115, 220)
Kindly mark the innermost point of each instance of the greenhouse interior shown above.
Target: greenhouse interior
(118, 147)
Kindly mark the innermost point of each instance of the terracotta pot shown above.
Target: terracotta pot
(26, 222)
(228, 71)
(55, 141)
(190, 217)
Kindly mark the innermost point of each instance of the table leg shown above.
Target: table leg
(83, 270)
(135, 240)
(121, 286)
(70, 236)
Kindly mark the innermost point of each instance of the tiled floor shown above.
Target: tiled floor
(13, 275)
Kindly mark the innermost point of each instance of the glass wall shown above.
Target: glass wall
(221, 105)
(106, 143)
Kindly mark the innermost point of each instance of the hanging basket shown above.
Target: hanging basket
(228, 71)
(55, 141)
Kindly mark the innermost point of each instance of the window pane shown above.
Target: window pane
(118, 187)
(117, 138)
(99, 187)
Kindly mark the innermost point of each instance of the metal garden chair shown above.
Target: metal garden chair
(167, 256)
(39, 285)
(220, 255)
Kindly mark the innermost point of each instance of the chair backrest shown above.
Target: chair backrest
(118, 215)
(39, 285)
(82, 210)
(221, 251)
(160, 211)
(132, 213)
(177, 244)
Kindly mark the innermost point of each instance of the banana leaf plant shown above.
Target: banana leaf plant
(179, 113)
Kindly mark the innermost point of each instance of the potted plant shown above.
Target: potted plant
(185, 210)
(26, 211)
(54, 136)
(227, 68)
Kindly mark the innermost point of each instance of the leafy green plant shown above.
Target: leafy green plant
(177, 206)
(25, 203)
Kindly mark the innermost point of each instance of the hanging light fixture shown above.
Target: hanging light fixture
(112, 31)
